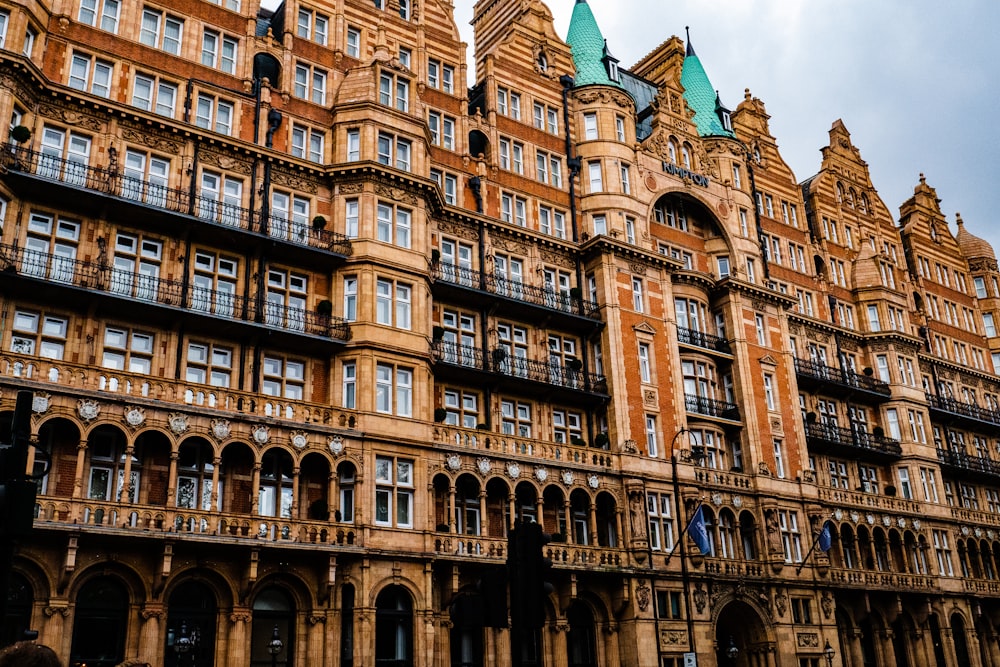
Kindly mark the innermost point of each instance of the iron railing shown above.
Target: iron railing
(711, 407)
(703, 340)
(831, 434)
(819, 371)
(956, 407)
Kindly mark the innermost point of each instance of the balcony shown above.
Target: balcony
(131, 289)
(839, 383)
(516, 298)
(710, 407)
(471, 363)
(893, 581)
(965, 465)
(703, 341)
(138, 195)
(969, 415)
(851, 443)
(477, 442)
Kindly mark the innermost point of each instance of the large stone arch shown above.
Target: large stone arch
(742, 623)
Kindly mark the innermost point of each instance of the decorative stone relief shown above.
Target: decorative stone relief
(261, 434)
(567, 477)
(454, 462)
(40, 403)
(88, 409)
(336, 445)
(541, 474)
(178, 422)
(593, 481)
(221, 428)
(642, 596)
(513, 470)
(484, 465)
(299, 439)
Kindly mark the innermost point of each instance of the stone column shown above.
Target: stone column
(81, 459)
(216, 465)
(483, 522)
(593, 525)
(296, 505)
(611, 655)
(618, 528)
(150, 645)
(555, 648)
(255, 490)
(54, 632)
(331, 495)
(124, 495)
(569, 522)
(316, 635)
(238, 646)
(452, 528)
(172, 480)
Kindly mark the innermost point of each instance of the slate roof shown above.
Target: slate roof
(585, 39)
(701, 96)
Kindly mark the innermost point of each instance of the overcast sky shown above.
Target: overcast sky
(916, 82)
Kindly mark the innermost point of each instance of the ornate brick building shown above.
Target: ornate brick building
(309, 324)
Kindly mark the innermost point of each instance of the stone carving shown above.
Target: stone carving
(134, 416)
(513, 470)
(336, 445)
(454, 462)
(351, 188)
(457, 229)
(151, 140)
(780, 604)
(395, 194)
(642, 596)
(484, 466)
(541, 474)
(71, 116)
(40, 403)
(826, 603)
(261, 434)
(178, 422)
(225, 162)
(88, 409)
(637, 513)
(293, 182)
(567, 477)
(221, 428)
(299, 439)
(700, 598)
(807, 639)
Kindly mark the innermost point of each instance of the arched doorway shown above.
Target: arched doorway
(958, 634)
(191, 614)
(101, 624)
(581, 640)
(20, 597)
(394, 628)
(741, 639)
(273, 614)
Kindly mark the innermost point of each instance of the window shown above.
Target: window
(620, 128)
(751, 271)
(513, 209)
(152, 94)
(312, 25)
(892, 420)
(310, 83)
(394, 390)
(461, 408)
(161, 31)
(600, 225)
(354, 146)
(928, 484)
(630, 230)
(441, 76)
(404, 9)
(448, 184)
(566, 426)
(980, 285)
(307, 143)
(838, 475)
(659, 507)
(212, 113)
(393, 303)
(107, 11)
(596, 179)
(30, 35)
(873, 322)
(353, 42)
(769, 392)
(283, 377)
(214, 283)
(393, 492)
(538, 115)
(638, 299)
(801, 611)
(868, 475)
(590, 126)
(286, 299)
(760, 328)
(290, 219)
(652, 437)
(127, 350)
(136, 267)
(349, 389)
(209, 364)
(722, 263)
(39, 333)
(989, 325)
(394, 91)
(517, 157)
(943, 553)
(393, 224)
(779, 459)
(393, 151)
(219, 51)
(90, 75)
(626, 182)
(515, 418)
(791, 540)
(645, 372)
(442, 130)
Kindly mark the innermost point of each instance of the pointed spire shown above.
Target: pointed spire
(710, 115)
(690, 46)
(594, 63)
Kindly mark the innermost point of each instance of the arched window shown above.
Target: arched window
(273, 615)
(195, 466)
(345, 480)
(727, 530)
(467, 520)
(840, 192)
(672, 151)
(394, 628)
(106, 449)
(748, 535)
(686, 156)
(580, 511)
(20, 597)
(101, 623)
(191, 614)
(581, 645)
(847, 548)
(467, 613)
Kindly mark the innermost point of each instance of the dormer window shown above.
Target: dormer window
(610, 64)
(727, 121)
(613, 70)
(543, 61)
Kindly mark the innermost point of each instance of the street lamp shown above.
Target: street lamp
(275, 646)
(829, 653)
(733, 651)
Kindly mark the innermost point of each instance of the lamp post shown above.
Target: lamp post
(829, 653)
(733, 651)
(275, 646)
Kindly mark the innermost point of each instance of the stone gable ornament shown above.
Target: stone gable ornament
(261, 434)
(567, 477)
(299, 440)
(88, 409)
(336, 445)
(178, 422)
(40, 403)
(541, 474)
(454, 462)
(221, 428)
(484, 466)
(513, 470)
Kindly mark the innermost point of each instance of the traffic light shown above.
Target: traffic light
(17, 490)
(529, 572)
(492, 589)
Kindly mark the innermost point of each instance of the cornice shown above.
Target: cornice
(602, 243)
(961, 370)
(756, 292)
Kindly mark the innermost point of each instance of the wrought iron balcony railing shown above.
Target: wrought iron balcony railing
(962, 409)
(515, 289)
(966, 462)
(500, 362)
(711, 407)
(830, 374)
(217, 208)
(856, 439)
(142, 287)
(703, 340)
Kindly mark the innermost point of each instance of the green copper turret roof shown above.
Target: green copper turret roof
(701, 96)
(587, 43)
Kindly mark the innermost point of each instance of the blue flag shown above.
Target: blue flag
(699, 532)
(825, 539)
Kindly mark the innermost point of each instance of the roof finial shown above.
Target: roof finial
(690, 48)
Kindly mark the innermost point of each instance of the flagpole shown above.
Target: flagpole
(680, 538)
(812, 548)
